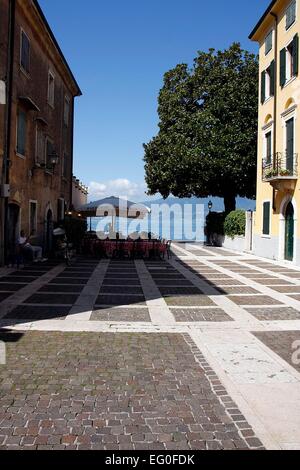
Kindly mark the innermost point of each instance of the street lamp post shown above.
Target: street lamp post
(210, 206)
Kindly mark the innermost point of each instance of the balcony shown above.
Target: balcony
(281, 171)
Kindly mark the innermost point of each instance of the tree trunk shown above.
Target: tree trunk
(229, 203)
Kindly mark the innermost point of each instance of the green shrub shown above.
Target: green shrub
(235, 224)
(215, 223)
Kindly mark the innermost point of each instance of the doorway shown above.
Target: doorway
(289, 232)
(13, 229)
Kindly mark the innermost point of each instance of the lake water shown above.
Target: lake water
(180, 223)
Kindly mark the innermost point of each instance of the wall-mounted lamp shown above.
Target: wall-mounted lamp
(53, 159)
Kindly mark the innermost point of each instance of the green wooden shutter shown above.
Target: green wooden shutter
(263, 87)
(272, 78)
(269, 147)
(282, 67)
(290, 145)
(266, 218)
(295, 55)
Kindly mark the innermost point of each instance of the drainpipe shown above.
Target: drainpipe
(275, 102)
(7, 129)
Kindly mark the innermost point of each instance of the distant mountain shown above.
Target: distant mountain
(218, 203)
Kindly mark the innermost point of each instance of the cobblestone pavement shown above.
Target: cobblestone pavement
(179, 354)
(115, 391)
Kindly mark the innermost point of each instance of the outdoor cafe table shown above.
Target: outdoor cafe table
(121, 248)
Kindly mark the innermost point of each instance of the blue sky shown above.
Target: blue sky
(119, 51)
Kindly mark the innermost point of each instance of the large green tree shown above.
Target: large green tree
(206, 144)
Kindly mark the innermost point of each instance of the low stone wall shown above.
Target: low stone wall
(235, 244)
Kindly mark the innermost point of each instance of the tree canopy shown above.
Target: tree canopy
(207, 139)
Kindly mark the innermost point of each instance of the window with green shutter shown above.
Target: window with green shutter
(269, 147)
(295, 53)
(266, 218)
(272, 78)
(263, 87)
(269, 42)
(291, 14)
(283, 67)
(21, 133)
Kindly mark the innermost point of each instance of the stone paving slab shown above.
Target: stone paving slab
(121, 315)
(116, 392)
(173, 283)
(224, 282)
(122, 275)
(237, 290)
(81, 275)
(273, 282)
(179, 291)
(8, 287)
(66, 280)
(54, 288)
(189, 301)
(31, 312)
(200, 315)
(27, 273)
(275, 314)
(19, 279)
(121, 290)
(34, 268)
(163, 275)
(254, 300)
(287, 289)
(48, 299)
(106, 299)
(111, 281)
(4, 296)
(284, 344)
(295, 275)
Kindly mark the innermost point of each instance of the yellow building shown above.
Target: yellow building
(277, 219)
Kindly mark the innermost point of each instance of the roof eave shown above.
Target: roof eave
(262, 19)
(44, 19)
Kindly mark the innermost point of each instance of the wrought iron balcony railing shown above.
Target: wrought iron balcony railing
(280, 166)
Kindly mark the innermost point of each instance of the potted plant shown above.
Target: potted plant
(270, 174)
(283, 172)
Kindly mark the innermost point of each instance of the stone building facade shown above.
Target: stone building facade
(40, 135)
(79, 194)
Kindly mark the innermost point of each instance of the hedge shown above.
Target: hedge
(235, 224)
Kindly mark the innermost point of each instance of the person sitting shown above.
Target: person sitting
(27, 243)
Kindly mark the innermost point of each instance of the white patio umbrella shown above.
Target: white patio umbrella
(114, 207)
